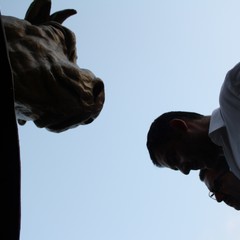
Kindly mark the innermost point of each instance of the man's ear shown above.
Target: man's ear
(179, 124)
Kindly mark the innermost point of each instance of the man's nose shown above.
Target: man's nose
(184, 168)
(219, 197)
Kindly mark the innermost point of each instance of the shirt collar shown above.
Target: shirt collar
(216, 124)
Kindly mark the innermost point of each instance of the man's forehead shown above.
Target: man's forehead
(209, 178)
(161, 157)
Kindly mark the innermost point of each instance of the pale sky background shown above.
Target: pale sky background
(97, 182)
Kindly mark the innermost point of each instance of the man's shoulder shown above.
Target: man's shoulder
(232, 80)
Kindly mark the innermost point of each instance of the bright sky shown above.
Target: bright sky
(97, 181)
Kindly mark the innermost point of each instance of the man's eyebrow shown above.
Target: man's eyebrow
(171, 158)
(218, 180)
(160, 158)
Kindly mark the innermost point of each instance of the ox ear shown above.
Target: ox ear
(61, 16)
(38, 12)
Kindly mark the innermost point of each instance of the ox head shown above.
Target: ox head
(50, 89)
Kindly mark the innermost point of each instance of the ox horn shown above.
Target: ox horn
(61, 16)
(39, 12)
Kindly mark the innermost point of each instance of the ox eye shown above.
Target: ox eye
(69, 39)
(70, 44)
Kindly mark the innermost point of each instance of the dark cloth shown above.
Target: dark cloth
(10, 212)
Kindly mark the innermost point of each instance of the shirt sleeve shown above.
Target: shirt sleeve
(232, 80)
(229, 100)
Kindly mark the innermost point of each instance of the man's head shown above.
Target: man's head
(223, 186)
(180, 141)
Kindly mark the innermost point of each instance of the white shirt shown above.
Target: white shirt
(224, 127)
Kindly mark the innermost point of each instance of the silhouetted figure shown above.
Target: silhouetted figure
(223, 185)
(10, 157)
(188, 141)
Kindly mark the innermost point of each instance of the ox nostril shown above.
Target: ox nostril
(98, 89)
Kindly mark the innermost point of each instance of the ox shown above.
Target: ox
(41, 82)
(50, 89)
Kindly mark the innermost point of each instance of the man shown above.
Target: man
(180, 141)
(223, 185)
(189, 141)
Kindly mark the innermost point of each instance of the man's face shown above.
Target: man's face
(188, 153)
(224, 185)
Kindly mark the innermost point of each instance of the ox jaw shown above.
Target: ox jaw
(76, 99)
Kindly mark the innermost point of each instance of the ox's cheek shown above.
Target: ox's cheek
(80, 99)
(98, 94)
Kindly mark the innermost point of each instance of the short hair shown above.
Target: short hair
(202, 174)
(160, 131)
(221, 166)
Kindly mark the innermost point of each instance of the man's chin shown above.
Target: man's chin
(233, 204)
